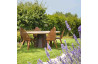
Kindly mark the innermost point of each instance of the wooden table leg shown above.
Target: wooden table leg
(51, 43)
(44, 42)
(41, 40)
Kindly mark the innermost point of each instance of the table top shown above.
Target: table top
(40, 32)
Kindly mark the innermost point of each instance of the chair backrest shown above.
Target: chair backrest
(36, 29)
(62, 34)
(20, 31)
(52, 34)
(24, 34)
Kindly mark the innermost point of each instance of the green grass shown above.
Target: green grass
(33, 54)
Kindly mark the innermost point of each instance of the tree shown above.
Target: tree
(30, 15)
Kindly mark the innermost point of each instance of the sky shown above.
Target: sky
(65, 6)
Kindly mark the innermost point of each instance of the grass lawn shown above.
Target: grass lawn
(33, 54)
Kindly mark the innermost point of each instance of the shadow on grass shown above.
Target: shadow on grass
(33, 49)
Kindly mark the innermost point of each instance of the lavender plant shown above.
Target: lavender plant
(79, 30)
(70, 56)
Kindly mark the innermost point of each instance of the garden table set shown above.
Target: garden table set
(41, 37)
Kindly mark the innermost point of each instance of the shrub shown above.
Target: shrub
(18, 36)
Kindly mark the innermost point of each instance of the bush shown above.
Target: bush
(18, 36)
(18, 27)
(30, 15)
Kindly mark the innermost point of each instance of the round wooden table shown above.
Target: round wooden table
(41, 37)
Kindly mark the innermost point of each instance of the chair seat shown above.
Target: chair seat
(57, 37)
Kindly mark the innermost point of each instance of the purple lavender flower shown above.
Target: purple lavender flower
(79, 50)
(65, 42)
(59, 58)
(55, 62)
(79, 30)
(63, 47)
(70, 49)
(66, 46)
(73, 46)
(29, 63)
(79, 62)
(79, 59)
(76, 39)
(60, 52)
(50, 61)
(76, 62)
(67, 26)
(72, 56)
(48, 55)
(49, 47)
(72, 52)
(39, 61)
(63, 61)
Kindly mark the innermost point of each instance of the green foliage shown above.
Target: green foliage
(74, 22)
(31, 15)
(18, 36)
(18, 27)
(58, 20)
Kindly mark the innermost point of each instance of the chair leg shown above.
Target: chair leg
(55, 43)
(28, 44)
(47, 44)
(61, 41)
(35, 43)
(56, 40)
(51, 43)
(22, 43)
(31, 43)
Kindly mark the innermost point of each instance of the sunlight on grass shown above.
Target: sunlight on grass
(33, 54)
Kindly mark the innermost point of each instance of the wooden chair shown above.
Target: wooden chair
(51, 36)
(61, 36)
(25, 37)
(21, 36)
(35, 36)
(36, 29)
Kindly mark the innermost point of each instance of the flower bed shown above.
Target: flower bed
(69, 56)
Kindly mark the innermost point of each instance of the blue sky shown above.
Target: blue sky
(73, 6)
